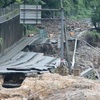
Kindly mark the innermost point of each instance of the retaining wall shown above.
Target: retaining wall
(10, 32)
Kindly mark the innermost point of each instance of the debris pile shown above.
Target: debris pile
(87, 57)
(76, 25)
(53, 27)
(53, 87)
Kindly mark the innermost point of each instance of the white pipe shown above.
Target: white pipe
(73, 59)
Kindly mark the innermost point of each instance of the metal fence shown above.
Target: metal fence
(8, 9)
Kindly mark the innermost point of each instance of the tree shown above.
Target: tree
(96, 14)
(5, 3)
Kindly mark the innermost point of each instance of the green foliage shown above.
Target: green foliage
(95, 4)
(69, 7)
(93, 33)
(4, 3)
(74, 8)
(93, 37)
(1, 40)
(19, 1)
(34, 2)
(1, 3)
(96, 16)
(30, 29)
(51, 3)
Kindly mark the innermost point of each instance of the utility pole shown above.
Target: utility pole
(63, 36)
(67, 50)
(62, 70)
(24, 19)
(62, 32)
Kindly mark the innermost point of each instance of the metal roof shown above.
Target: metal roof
(25, 62)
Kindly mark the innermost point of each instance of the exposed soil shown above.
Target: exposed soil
(53, 87)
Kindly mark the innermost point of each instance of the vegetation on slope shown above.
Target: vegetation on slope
(73, 8)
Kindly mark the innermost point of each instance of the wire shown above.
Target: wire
(93, 48)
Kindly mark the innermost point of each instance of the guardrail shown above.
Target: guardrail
(87, 73)
(90, 73)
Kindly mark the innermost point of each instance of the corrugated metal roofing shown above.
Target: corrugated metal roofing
(17, 48)
(25, 62)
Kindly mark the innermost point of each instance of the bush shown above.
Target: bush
(93, 37)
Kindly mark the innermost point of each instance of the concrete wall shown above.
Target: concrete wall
(10, 31)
